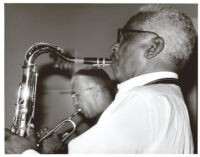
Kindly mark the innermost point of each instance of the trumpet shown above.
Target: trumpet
(60, 125)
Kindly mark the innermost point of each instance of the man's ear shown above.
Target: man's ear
(155, 48)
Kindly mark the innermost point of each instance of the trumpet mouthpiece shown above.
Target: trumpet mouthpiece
(79, 110)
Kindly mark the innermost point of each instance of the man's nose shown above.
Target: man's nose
(114, 49)
(75, 101)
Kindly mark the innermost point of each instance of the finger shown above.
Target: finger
(38, 135)
(31, 134)
(45, 129)
(42, 132)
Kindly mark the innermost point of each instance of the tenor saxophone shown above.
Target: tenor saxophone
(25, 105)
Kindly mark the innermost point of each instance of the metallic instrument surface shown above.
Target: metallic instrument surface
(60, 125)
(25, 106)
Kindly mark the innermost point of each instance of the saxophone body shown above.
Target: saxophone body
(24, 109)
(25, 105)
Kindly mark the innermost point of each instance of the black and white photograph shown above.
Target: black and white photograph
(100, 78)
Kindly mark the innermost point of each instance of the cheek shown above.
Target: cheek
(129, 61)
(125, 56)
(87, 102)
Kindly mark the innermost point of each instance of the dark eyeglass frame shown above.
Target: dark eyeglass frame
(122, 31)
(77, 95)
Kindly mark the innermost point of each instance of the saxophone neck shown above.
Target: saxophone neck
(39, 48)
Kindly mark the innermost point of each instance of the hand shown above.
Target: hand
(15, 144)
(51, 145)
(42, 132)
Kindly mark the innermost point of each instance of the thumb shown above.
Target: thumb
(30, 131)
(31, 134)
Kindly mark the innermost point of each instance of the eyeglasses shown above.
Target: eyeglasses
(77, 95)
(124, 34)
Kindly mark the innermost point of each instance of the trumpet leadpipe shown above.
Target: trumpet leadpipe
(60, 125)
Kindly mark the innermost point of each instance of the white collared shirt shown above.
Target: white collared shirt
(141, 119)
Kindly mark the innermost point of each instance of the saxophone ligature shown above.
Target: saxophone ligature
(25, 106)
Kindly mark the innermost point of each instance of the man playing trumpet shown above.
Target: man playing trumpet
(92, 92)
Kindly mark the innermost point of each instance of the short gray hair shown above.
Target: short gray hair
(175, 27)
(101, 77)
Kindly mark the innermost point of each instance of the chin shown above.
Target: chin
(119, 77)
(115, 73)
(90, 117)
(86, 115)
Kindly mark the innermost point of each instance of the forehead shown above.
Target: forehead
(81, 82)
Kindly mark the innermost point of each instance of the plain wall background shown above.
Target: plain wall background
(88, 29)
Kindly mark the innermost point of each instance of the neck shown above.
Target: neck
(156, 67)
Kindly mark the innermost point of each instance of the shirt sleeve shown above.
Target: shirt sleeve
(30, 151)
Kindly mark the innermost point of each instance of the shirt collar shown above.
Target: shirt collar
(144, 79)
